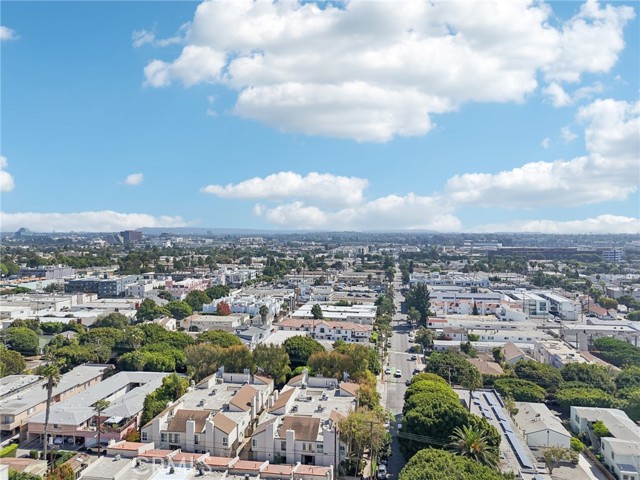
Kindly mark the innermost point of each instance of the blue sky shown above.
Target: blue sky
(513, 116)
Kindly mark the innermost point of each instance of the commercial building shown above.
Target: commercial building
(329, 330)
(363, 314)
(104, 287)
(48, 272)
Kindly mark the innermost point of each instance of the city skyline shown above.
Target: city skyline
(519, 116)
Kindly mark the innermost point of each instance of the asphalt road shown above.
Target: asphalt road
(398, 358)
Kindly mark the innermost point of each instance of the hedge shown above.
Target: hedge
(9, 451)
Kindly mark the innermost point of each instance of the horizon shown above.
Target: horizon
(451, 117)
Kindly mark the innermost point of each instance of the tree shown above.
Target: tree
(475, 309)
(217, 291)
(329, 364)
(264, 311)
(179, 309)
(520, 390)
(236, 359)
(300, 349)
(472, 443)
(449, 365)
(424, 338)
(316, 311)
(273, 360)
(468, 349)
(539, 373)
(220, 338)
(607, 302)
(11, 363)
(585, 397)
(634, 315)
(62, 472)
(203, 359)
(99, 407)
(113, 320)
(590, 374)
(617, 352)
(552, 456)
(23, 340)
(149, 310)
(197, 298)
(498, 356)
(414, 315)
(52, 377)
(418, 297)
(629, 377)
(431, 464)
(600, 429)
(223, 309)
(471, 380)
(363, 429)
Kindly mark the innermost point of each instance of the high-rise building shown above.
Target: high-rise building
(131, 236)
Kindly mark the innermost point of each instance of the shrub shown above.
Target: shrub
(9, 451)
(576, 445)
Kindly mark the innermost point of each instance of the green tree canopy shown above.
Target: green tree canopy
(629, 377)
(197, 298)
(220, 338)
(300, 348)
(539, 373)
(316, 311)
(617, 352)
(590, 374)
(179, 309)
(11, 363)
(585, 397)
(149, 310)
(450, 364)
(217, 291)
(113, 320)
(23, 340)
(273, 360)
(430, 464)
(521, 390)
(418, 297)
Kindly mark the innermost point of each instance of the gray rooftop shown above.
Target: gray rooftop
(15, 383)
(79, 408)
(35, 395)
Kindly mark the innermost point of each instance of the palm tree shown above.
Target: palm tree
(264, 311)
(99, 407)
(472, 443)
(471, 380)
(52, 376)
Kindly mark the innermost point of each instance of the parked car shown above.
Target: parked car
(387, 371)
(382, 472)
(414, 357)
(398, 373)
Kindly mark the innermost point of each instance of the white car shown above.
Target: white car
(387, 371)
(382, 472)
(398, 373)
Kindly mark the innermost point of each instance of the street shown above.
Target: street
(398, 359)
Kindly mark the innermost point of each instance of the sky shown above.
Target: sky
(485, 116)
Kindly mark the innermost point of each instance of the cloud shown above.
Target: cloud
(98, 221)
(326, 189)
(393, 212)
(546, 142)
(134, 179)
(7, 34)
(6, 179)
(609, 171)
(611, 224)
(567, 134)
(146, 37)
(371, 71)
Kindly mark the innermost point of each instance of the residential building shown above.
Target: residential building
(48, 272)
(75, 421)
(363, 314)
(540, 427)
(301, 424)
(565, 308)
(203, 323)
(329, 330)
(556, 353)
(28, 398)
(215, 417)
(621, 450)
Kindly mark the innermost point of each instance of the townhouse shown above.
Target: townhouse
(217, 416)
(301, 423)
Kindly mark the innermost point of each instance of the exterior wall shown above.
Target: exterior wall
(547, 438)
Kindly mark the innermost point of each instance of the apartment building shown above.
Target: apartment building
(25, 397)
(74, 420)
(301, 424)
(556, 353)
(620, 451)
(363, 314)
(214, 417)
(329, 330)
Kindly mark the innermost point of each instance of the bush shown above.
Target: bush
(9, 451)
(432, 464)
(35, 454)
(576, 445)
(521, 390)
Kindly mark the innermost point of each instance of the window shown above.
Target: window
(143, 436)
(225, 441)
(196, 439)
(304, 447)
(55, 425)
(320, 448)
(163, 437)
(283, 446)
(254, 442)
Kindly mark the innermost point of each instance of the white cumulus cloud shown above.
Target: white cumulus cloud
(7, 34)
(327, 189)
(6, 179)
(609, 171)
(613, 224)
(371, 71)
(97, 221)
(134, 179)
